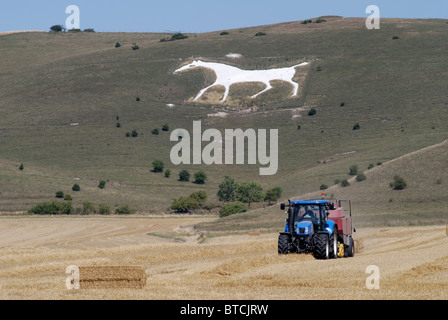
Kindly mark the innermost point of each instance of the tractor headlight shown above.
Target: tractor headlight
(307, 230)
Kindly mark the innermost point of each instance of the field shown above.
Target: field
(182, 264)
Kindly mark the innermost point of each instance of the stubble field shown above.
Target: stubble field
(183, 264)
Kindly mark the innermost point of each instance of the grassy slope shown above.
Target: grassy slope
(395, 89)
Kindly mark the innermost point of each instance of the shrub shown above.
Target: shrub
(370, 166)
(184, 175)
(227, 190)
(174, 37)
(353, 170)
(103, 209)
(60, 194)
(312, 112)
(134, 134)
(249, 192)
(200, 177)
(158, 166)
(357, 126)
(320, 20)
(360, 177)
(342, 104)
(165, 127)
(379, 163)
(199, 196)
(88, 208)
(76, 187)
(68, 197)
(52, 208)
(137, 99)
(167, 173)
(398, 183)
(345, 183)
(395, 37)
(323, 187)
(89, 30)
(117, 45)
(232, 208)
(155, 131)
(260, 34)
(56, 28)
(185, 204)
(224, 33)
(21, 167)
(128, 134)
(102, 184)
(124, 209)
(307, 21)
(135, 47)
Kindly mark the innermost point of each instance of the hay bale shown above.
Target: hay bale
(112, 277)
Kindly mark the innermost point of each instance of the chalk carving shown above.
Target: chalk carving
(227, 75)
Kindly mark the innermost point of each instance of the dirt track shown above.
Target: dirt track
(35, 252)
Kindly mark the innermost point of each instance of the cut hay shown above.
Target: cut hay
(112, 277)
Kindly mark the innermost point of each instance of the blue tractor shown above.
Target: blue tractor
(319, 227)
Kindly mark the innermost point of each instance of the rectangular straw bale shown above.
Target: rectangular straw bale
(112, 277)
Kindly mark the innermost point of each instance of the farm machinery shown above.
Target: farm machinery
(320, 227)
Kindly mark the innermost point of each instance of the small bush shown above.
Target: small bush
(102, 184)
(260, 34)
(185, 204)
(199, 196)
(345, 183)
(158, 166)
(232, 208)
(118, 125)
(342, 104)
(320, 20)
(89, 30)
(379, 163)
(155, 132)
(224, 33)
(128, 134)
(353, 170)
(371, 166)
(56, 28)
(167, 173)
(360, 177)
(398, 183)
(307, 21)
(184, 175)
(60, 194)
(135, 47)
(134, 134)
(68, 197)
(88, 208)
(200, 177)
(165, 127)
(357, 126)
(312, 112)
(103, 209)
(174, 37)
(21, 167)
(323, 187)
(76, 187)
(124, 209)
(117, 45)
(395, 37)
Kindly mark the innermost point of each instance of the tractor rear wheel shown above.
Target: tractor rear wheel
(321, 246)
(283, 243)
(334, 244)
(350, 251)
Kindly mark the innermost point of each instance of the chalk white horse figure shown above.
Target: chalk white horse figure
(227, 75)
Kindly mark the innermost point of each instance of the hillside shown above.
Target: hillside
(62, 95)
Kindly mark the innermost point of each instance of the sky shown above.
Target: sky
(197, 16)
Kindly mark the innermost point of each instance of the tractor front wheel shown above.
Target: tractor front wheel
(283, 243)
(321, 246)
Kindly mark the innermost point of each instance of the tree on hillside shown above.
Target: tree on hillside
(249, 192)
(200, 177)
(273, 195)
(157, 166)
(227, 190)
(398, 183)
(56, 28)
(184, 175)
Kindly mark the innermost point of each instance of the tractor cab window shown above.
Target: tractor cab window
(307, 212)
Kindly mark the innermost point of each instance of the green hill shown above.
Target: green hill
(62, 95)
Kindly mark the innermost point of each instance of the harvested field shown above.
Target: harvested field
(182, 264)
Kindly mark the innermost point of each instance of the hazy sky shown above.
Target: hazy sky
(199, 15)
